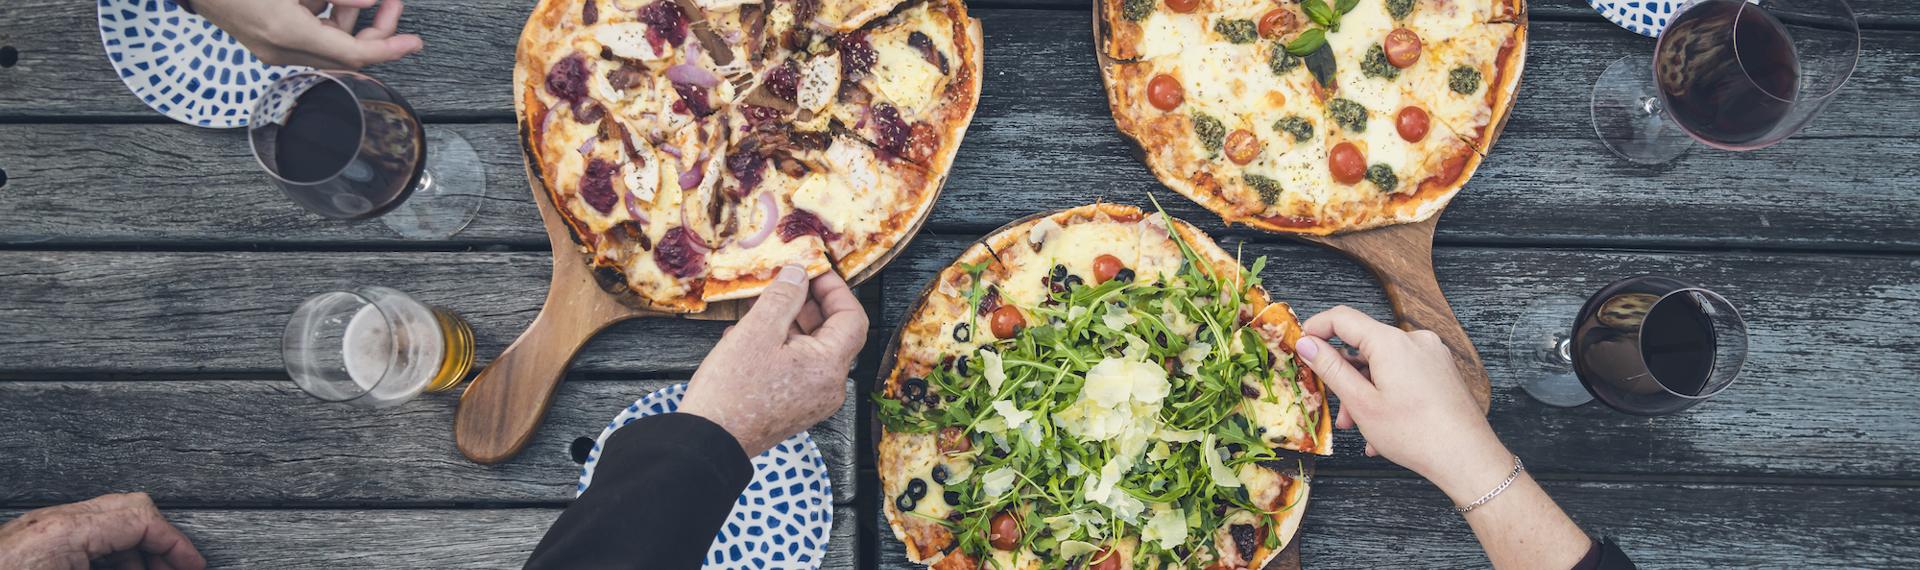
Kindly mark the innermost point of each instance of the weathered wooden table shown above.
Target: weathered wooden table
(147, 268)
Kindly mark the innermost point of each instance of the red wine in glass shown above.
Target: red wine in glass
(1727, 73)
(1645, 345)
(345, 146)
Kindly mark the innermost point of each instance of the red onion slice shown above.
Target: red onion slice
(685, 73)
(586, 148)
(633, 210)
(691, 178)
(769, 217)
(695, 50)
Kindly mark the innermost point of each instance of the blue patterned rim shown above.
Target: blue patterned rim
(1644, 17)
(780, 522)
(181, 65)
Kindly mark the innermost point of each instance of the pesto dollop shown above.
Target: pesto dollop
(1237, 31)
(1464, 80)
(1375, 64)
(1383, 177)
(1137, 10)
(1210, 132)
(1268, 188)
(1348, 114)
(1280, 61)
(1399, 9)
(1299, 127)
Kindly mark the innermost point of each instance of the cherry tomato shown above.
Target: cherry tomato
(1277, 22)
(1412, 123)
(1348, 166)
(953, 439)
(1182, 6)
(1007, 320)
(1105, 267)
(1105, 559)
(1004, 531)
(1242, 146)
(1164, 92)
(1403, 48)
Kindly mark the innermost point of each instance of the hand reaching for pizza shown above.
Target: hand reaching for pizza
(125, 531)
(286, 32)
(784, 367)
(1402, 390)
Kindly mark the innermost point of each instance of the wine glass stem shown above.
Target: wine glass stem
(1652, 107)
(426, 181)
(1564, 350)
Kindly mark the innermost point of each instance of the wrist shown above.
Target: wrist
(1470, 476)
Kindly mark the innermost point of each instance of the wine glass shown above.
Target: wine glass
(345, 146)
(1728, 73)
(1645, 345)
(375, 347)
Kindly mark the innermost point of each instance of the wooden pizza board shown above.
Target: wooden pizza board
(1400, 256)
(505, 404)
(1289, 557)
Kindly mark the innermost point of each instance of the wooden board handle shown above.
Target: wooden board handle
(505, 404)
(1419, 305)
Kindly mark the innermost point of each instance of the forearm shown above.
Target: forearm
(1521, 528)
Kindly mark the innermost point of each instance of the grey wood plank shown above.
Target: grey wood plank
(1871, 13)
(1844, 184)
(258, 441)
(1827, 331)
(100, 312)
(1406, 523)
(400, 538)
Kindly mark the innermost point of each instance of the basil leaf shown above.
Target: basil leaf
(1344, 6)
(1321, 64)
(1308, 42)
(1318, 11)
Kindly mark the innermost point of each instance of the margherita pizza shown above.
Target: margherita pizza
(695, 147)
(1315, 117)
(1097, 388)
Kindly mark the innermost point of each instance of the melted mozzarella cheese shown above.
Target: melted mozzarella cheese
(902, 75)
(819, 81)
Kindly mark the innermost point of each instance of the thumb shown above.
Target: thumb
(1333, 369)
(777, 306)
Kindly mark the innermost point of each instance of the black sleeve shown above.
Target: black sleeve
(664, 485)
(1603, 555)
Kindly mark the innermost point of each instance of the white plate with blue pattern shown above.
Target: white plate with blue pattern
(181, 65)
(782, 520)
(1644, 17)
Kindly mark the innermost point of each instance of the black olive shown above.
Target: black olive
(952, 497)
(1243, 539)
(1249, 392)
(1219, 511)
(1232, 449)
(1125, 275)
(939, 476)
(956, 516)
(961, 333)
(993, 348)
(1073, 281)
(961, 365)
(904, 502)
(1059, 272)
(1260, 431)
(913, 389)
(917, 489)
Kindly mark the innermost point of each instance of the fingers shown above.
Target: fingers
(1342, 420)
(385, 22)
(845, 326)
(314, 6)
(344, 18)
(1333, 369)
(1353, 327)
(124, 526)
(774, 311)
(809, 318)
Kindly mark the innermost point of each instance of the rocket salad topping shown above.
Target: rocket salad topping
(1113, 414)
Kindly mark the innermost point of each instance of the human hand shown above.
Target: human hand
(125, 531)
(1404, 393)
(286, 32)
(784, 367)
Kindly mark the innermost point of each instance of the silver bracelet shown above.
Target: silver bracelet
(1517, 467)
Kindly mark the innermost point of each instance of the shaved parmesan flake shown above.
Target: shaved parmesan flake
(996, 374)
(1168, 526)
(1222, 476)
(1108, 383)
(1118, 318)
(1072, 548)
(1126, 507)
(1191, 358)
(1042, 231)
(997, 482)
(1158, 452)
(1014, 415)
(1188, 436)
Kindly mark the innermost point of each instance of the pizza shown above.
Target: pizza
(695, 147)
(1312, 117)
(1095, 387)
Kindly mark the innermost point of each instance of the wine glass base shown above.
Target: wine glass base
(1539, 351)
(449, 192)
(1628, 117)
